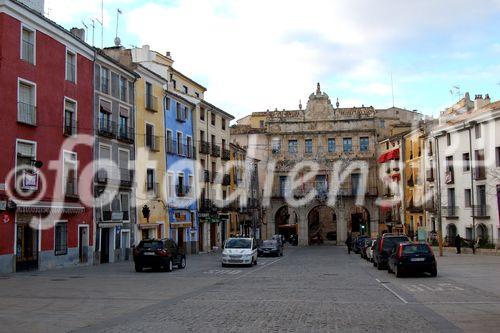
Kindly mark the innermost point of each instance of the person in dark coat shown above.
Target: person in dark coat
(458, 243)
(348, 243)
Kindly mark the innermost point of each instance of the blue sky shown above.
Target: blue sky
(267, 54)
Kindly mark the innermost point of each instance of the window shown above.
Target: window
(223, 125)
(189, 147)
(69, 117)
(70, 173)
(197, 94)
(170, 185)
(123, 127)
(131, 92)
(125, 204)
(123, 89)
(451, 199)
(186, 90)
(292, 146)
(150, 180)
(261, 124)
(26, 105)
(448, 139)
(212, 118)
(150, 100)
(105, 80)
(467, 197)
(331, 145)
(26, 175)
(124, 165)
(347, 142)
(190, 184)
(170, 142)
(382, 123)
(174, 84)
(150, 136)
(70, 66)
(61, 238)
(105, 123)
(167, 103)
(28, 45)
(364, 143)
(115, 85)
(466, 161)
(276, 146)
(497, 156)
(308, 146)
(479, 167)
(180, 151)
(449, 172)
(477, 131)
(429, 148)
(202, 114)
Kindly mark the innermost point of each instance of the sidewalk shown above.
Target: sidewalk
(467, 251)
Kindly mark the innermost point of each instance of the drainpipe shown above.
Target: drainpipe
(438, 194)
(471, 159)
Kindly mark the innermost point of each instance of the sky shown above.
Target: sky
(267, 54)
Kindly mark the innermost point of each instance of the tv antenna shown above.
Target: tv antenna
(117, 39)
(86, 29)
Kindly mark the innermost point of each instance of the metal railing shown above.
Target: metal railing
(151, 103)
(215, 151)
(182, 190)
(126, 134)
(449, 211)
(106, 128)
(226, 154)
(71, 189)
(126, 177)
(69, 129)
(152, 142)
(481, 211)
(204, 147)
(190, 151)
(26, 113)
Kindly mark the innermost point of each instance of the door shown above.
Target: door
(104, 245)
(126, 245)
(26, 248)
(200, 236)
(83, 244)
(213, 234)
(223, 232)
(180, 237)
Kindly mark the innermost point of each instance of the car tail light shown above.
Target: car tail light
(380, 245)
(430, 249)
(400, 251)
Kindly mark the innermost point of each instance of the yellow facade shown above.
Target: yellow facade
(414, 182)
(238, 156)
(150, 155)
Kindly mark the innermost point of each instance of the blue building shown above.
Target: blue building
(180, 178)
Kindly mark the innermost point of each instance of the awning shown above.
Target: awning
(148, 225)
(390, 155)
(46, 207)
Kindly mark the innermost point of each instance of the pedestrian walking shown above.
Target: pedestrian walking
(458, 243)
(348, 243)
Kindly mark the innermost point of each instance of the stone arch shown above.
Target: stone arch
(322, 224)
(451, 233)
(286, 221)
(359, 221)
(482, 232)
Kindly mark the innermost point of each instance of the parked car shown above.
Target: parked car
(239, 251)
(356, 245)
(364, 246)
(412, 258)
(369, 251)
(157, 254)
(270, 247)
(383, 248)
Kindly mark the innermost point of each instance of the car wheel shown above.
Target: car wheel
(224, 265)
(379, 267)
(138, 268)
(255, 262)
(169, 266)
(434, 272)
(389, 269)
(397, 272)
(182, 264)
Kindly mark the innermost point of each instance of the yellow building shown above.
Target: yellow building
(414, 175)
(238, 156)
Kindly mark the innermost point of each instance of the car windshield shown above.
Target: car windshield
(269, 243)
(150, 245)
(416, 248)
(238, 243)
(389, 242)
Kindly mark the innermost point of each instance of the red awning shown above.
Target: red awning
(390, 155)
(382, 158)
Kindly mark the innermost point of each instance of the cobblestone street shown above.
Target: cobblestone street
(315, 289)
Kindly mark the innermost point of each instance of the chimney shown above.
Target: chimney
(168, 55)
(78, 33)
(37, 5)
(479, 102)
(487, 99)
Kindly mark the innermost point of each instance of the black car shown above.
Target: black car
(357, 243)
(270, 247)
(364, 245)
(157, 254)
(383, 246)
(412, 258)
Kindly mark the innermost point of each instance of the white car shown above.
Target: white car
(369, 251)
(239, 251)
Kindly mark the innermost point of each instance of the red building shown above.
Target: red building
(46, 101)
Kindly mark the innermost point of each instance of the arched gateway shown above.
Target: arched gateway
(286, 222)
(322, 225)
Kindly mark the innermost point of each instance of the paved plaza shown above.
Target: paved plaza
(315, 289)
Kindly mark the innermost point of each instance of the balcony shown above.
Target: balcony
(414, 208)
(107, 128)
(152, 142)
(181, 115)
(450, 212)
(205, 175)
(479, 173)
(449, 177)
(430, 206)
(190, 151)
(226, 180)
(126, 134)
(226, 154)
(204, 147)
(69, 130)
(171, 146)
(26, 113)
(429, 175)
(215, 151)
(152, 189)
(182, 190)
(151, 103)
(71, 190)
(206, 206)
(481, 211)
(126, 177)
